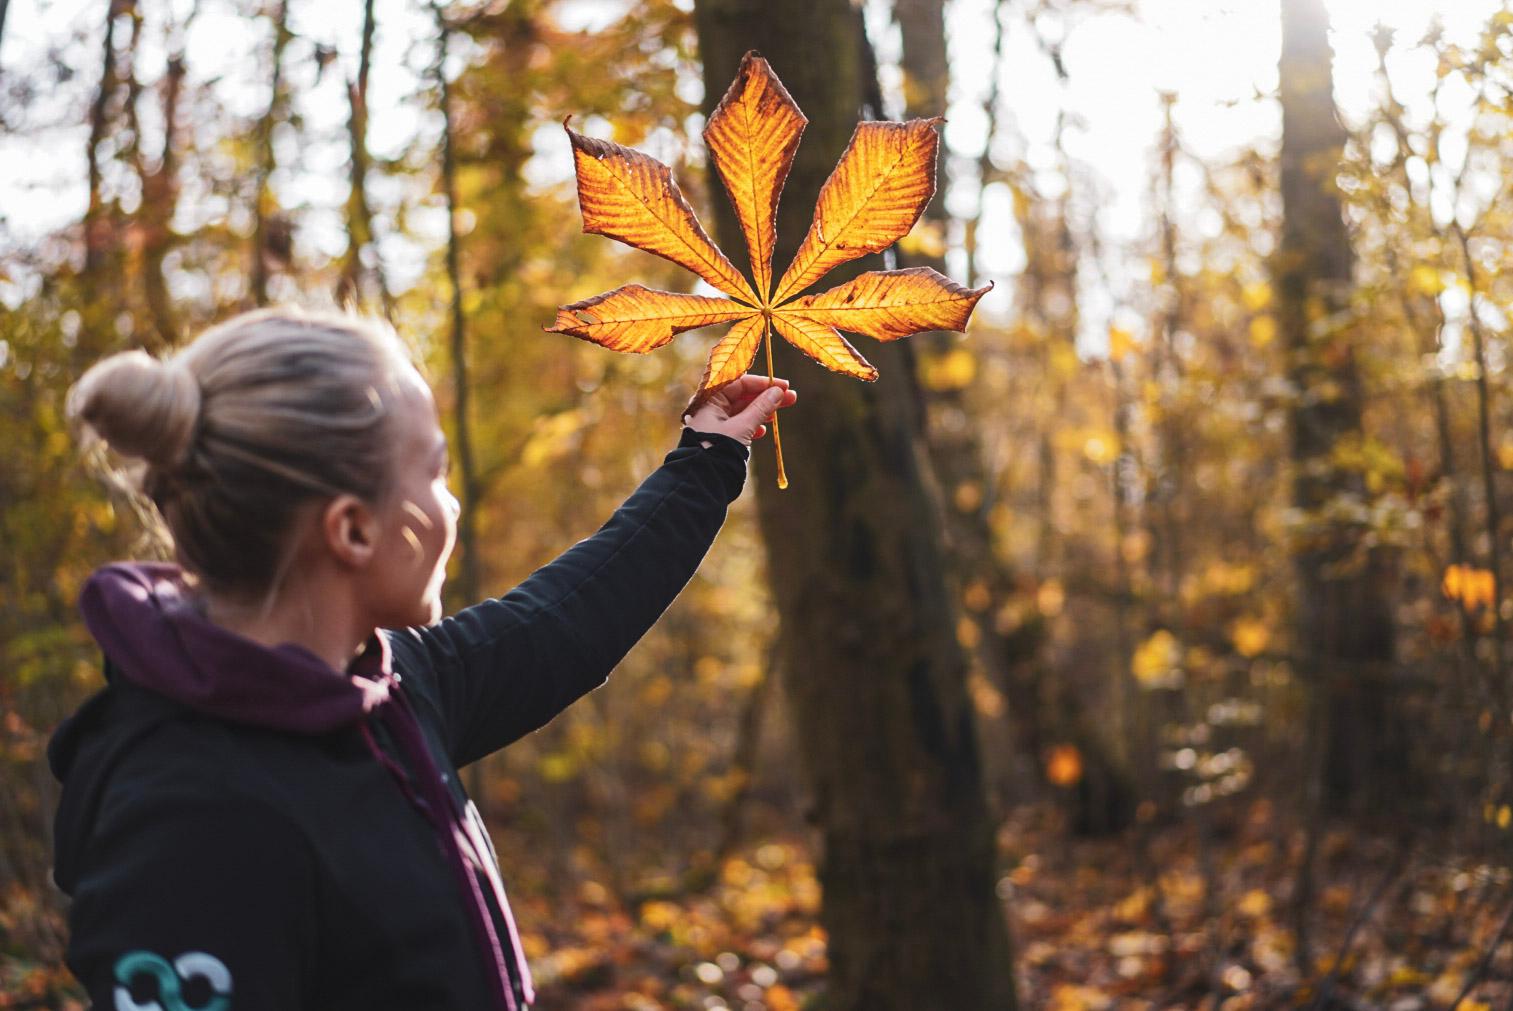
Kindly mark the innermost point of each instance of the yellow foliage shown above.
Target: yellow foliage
(1254, 904)
(1050, 598)
(1064, 361)
(1136, 545)
(1151, 396)
(1133, 907)
(1120, 343)
(1101, 448)
(658, 915)
(986, 699)
(1067, 997)
(953, 370)
(1256, 296)
(1406, 976)
(554, 436)
(1426, 280)
(558, 767)
(780, 998)
(655, 755)
(1223, 578)
(1473, 587)
(652, 805)
(1250, 636)
(967, 497)
(656, 690)
(1156, 663)
(708, 669)
(925, 239)
(1263, 330)
(721, 788)
(977, 597)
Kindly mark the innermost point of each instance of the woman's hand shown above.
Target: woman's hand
(742, 409)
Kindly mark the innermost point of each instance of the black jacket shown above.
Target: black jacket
(222, 857)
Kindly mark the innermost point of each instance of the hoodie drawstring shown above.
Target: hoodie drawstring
(459, 838)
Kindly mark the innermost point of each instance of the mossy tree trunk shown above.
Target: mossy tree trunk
(875, 678)
(1343, 625)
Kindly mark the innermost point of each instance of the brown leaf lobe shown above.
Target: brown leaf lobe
(752, 137)
(629, 196)
(878, 190)
(636, 319)
(822, 343)
(889, 304)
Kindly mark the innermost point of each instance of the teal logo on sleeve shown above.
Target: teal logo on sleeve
(172, 980)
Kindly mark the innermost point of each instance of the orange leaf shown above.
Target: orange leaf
(877, 191)
(873, 197)
(889, 304)
(1473, 587)
(729, 359)
(628, 196)
(638, 319)
(752, 136)
(1063, 765)
(822, 343)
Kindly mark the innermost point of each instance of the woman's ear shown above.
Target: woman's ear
(349, 531)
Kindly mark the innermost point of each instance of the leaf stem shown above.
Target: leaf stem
(777, 442)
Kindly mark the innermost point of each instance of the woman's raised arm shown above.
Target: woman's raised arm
(504, 667)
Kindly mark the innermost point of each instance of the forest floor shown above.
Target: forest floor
(1094, 928)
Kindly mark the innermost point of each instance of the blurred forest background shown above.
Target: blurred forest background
(1163, 617)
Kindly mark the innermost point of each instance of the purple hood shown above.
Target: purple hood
(142, 617)
(145, 621)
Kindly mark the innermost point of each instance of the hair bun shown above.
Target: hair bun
(140, 406)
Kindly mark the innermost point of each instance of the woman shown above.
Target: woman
(261, 809)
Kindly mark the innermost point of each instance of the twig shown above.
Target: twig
(1394, 871)
(1486, 960)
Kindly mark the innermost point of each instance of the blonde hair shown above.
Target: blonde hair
(233, 434)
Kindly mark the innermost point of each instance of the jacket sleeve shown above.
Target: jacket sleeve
(195, 902)
(504, 667)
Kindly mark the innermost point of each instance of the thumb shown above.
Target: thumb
(754, 414)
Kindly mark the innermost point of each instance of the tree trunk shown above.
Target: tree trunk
(469, 581)
(1045, 713)
(160, 197)
(360, 239)
(97, 231)
(874, 675)
(271, 239)
(1343, 624)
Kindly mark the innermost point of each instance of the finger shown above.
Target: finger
(734, 395)
(757, 381)
(761, 431)
(756, 413)
(749, 385)
(740, 403)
